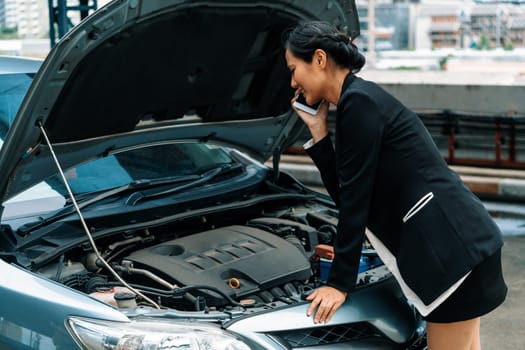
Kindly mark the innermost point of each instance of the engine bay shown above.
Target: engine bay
(252, 258)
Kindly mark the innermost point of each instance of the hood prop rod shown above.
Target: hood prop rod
(275, 163)
(83, 222)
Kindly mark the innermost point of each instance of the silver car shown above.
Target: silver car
(137, 212)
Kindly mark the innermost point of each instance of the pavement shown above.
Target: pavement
(503, 328)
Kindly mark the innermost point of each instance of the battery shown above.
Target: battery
(325, 254)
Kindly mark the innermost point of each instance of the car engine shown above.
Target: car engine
(237, 260)
(215, 262)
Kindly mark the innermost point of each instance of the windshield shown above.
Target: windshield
(146, 163)
(13, 87)
(149, 163)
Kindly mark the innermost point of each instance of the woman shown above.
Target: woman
(387, 175)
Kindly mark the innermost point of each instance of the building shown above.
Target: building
(28, 17)
(462, 25)
(31, 17)
(489, 21)
(10, 11)
(434, 24)
(392, 25)
(516, 32)
(2, 13)
(438, 26)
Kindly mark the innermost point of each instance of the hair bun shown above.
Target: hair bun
(345, 39)
(306, 37)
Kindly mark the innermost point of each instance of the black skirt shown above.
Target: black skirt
(481, 292)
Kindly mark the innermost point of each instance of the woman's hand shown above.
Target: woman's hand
(326, 300)
(317, 124)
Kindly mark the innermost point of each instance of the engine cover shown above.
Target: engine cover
(257, 259)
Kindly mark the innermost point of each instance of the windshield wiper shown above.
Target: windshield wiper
(188, 180)
(207, 176)
(69, 209)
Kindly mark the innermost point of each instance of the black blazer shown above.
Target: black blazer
(384, 162)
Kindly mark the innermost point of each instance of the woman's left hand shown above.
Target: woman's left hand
(326, 300)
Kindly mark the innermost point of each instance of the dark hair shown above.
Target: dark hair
(306, 37)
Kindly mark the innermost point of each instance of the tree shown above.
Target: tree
(484, 43)
(8, 33)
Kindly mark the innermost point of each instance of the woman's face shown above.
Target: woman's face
(306, 77)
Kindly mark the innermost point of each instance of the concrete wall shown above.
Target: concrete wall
(471, 92)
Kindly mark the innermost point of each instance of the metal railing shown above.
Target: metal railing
(478, 140)
(466, 139)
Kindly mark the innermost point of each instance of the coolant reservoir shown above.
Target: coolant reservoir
(107, 295)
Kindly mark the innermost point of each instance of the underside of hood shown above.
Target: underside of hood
(220, 60)
(138, 64)
(219, 64)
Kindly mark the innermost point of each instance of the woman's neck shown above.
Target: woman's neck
(335, 84)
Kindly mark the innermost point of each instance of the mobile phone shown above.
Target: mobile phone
(300, 103)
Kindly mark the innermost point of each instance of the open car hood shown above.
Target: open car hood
(145, 71)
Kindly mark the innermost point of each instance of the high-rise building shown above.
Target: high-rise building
(29, 17)
(391, 27)
(10, 11)
(2, 13)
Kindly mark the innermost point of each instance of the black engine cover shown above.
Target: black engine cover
(257, 259)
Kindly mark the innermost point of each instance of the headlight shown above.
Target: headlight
(151, 335)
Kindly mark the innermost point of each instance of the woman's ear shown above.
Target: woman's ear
(319, 58)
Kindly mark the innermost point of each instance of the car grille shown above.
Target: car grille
(326, 335)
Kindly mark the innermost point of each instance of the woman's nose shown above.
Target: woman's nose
(293, 84)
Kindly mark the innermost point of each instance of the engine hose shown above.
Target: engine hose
(181, 292)
(215, 290)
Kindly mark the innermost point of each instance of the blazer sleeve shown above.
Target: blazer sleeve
(360, 126)
(323, 156)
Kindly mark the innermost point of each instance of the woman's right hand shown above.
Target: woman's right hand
(324, 302)
(317, 124)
